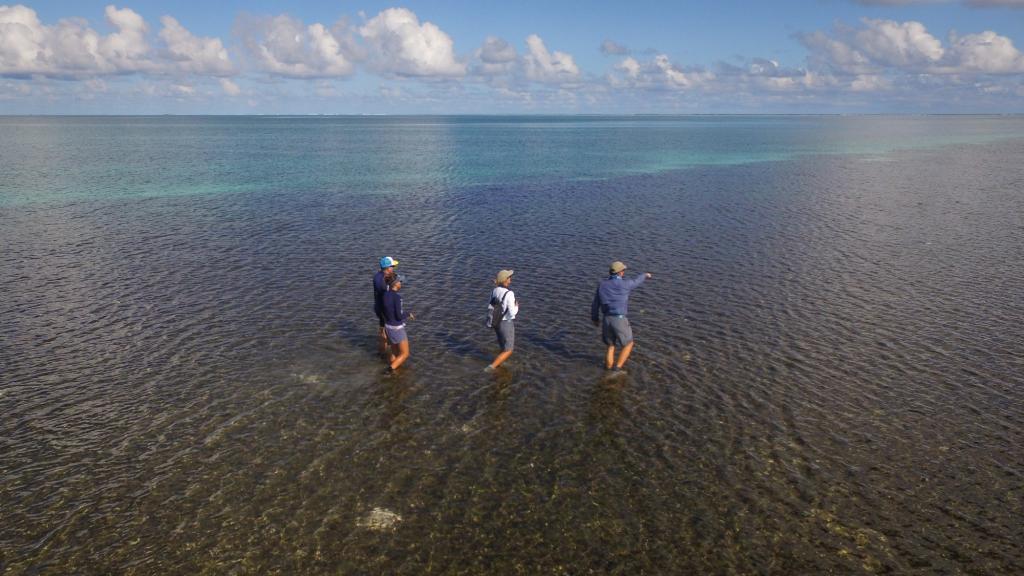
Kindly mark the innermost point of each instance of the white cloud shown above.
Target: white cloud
(402, 45)
(630, 66)
(885, 47)
(877, 44)
(834, 54)
(986, 52)
(194, 54)
(676, 76)
(283, 46)
(229, 87)
(543, 66)
(127, 48)
(898, 44)
(496, 57)
(70, 49)
(660, 72)
(496, 51)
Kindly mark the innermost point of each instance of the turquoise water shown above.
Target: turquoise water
(62, 159)
(828, 376)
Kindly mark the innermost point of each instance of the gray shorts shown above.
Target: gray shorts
(615, 331)
(506, 331)
(396, 334)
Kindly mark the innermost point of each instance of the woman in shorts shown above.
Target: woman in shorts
(394, 324)
(503, 309)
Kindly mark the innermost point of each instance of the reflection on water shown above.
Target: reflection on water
(827, 377)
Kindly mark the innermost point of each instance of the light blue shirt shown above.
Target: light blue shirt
(612, 297)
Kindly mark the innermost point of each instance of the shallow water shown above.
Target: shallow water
(828, 374)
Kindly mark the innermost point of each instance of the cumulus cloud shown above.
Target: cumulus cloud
(540, 65)
(194, 54)
(505, 69)
(884, 46)
(903, 44)
(126, 49)
(660, 72)
(767, 75)
(402, 45)
(495, 57)
(70, 49)
(630, 67)
(838, 56)
(986, 52)
(284, 46)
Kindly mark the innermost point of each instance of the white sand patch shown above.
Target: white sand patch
(307, 378)
(379, 519)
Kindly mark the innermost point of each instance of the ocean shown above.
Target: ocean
(828, 374)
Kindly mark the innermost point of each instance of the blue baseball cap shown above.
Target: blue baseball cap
(388, 262)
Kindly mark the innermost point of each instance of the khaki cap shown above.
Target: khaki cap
(617, 267)
(503, 275)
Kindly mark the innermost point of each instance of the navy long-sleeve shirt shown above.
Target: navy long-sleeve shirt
(612, 296)
(380, 288)
(392, 309)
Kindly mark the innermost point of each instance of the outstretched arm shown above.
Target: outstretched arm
(635, 282)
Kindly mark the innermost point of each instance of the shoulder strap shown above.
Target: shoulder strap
(501, 301)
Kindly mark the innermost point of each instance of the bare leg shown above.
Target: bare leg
(624, 355)
(403, 353)
(609, 357)
(501, 358)
(382, 341)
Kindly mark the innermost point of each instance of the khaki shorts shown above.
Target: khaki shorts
(615, 331)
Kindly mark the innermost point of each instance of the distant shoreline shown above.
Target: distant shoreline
(597, 116)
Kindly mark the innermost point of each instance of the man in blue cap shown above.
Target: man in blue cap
(380, 287)
(612, 301)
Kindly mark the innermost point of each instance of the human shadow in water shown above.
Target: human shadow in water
(359, 335)
(465, 347)
(555, 344)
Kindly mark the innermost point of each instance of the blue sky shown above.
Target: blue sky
(265, 57)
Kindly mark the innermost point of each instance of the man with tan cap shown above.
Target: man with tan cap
(502, 312)
(612, 301)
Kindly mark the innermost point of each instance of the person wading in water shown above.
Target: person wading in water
(612, 301)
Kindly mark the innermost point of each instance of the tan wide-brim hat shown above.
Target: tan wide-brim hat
(503, 275)
(617, 267)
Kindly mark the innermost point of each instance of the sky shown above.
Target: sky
(521, 57)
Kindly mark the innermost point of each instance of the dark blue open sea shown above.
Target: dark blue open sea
(828, 376)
